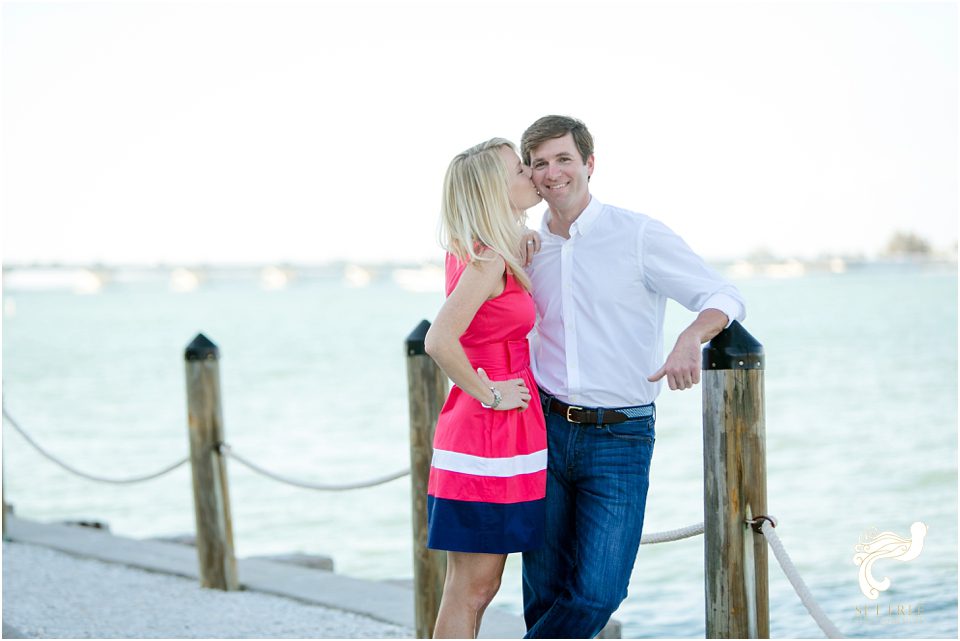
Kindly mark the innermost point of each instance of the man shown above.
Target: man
(600, 281)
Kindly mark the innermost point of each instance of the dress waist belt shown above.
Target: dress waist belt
(500, 358)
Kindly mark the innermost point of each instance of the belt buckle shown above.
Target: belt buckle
(573, 407)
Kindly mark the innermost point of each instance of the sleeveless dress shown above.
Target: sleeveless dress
(488, 474)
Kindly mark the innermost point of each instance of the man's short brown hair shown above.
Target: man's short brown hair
(550, 127)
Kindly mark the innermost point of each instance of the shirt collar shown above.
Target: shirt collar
(582, 224)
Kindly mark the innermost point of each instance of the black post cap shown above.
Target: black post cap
(733, 348)
(415, 340)
(201, 348)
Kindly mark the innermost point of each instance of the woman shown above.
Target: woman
(488, 475)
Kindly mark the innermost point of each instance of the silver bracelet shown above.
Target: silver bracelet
(497, 397)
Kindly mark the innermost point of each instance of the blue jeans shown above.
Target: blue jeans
(597, 480)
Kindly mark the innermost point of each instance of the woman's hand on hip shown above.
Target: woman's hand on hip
(513, 393)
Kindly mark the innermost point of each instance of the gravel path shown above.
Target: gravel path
(48, 594)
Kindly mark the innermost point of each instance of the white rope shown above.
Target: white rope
(73, 470)
(797, 581)
(225, 449)
(672, 535)
(766, 528)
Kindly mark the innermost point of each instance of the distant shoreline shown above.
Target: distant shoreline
(332, 266)
(424, 277)
(416, 277)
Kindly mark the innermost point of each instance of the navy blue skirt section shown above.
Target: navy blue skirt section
(491, 528)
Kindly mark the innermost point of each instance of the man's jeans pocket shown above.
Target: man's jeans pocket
(640, 429)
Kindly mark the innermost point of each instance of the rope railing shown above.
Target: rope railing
(766, 524)
(92, 477)
(786, 564)
(790, 570)
(672, 535)
(226, 450)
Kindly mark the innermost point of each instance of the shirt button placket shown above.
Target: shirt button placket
(569, 317)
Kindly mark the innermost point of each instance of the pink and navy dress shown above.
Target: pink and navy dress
(488, 476)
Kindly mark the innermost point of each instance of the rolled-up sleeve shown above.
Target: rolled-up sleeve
(671, 268)
(732, 306)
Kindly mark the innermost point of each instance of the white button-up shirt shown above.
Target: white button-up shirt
(601, 296)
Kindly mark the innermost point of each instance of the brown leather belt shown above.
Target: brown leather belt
(588, 415)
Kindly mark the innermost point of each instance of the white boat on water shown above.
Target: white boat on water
(184, 280)
(76, 280)
(791, 268)
(357, 276)
(272, 277)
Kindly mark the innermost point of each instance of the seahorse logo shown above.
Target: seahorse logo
(886, 545)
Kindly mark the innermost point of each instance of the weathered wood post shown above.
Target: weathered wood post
(735, 486)
(427, 388)
(218, 566)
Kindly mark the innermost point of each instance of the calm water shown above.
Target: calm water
(861, 389)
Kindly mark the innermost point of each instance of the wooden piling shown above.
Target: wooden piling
(735, 486)
(218, 565)
(427, 390)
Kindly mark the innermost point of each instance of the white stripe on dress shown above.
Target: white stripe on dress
(483, 466)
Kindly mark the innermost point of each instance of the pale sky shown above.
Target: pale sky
(308, 132)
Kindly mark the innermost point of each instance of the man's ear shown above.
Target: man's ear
(589, 165)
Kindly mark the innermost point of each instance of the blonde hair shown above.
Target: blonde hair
(476, 210)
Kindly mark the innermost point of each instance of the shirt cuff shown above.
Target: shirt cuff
(726, 304)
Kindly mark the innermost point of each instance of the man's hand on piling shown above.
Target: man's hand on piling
(682, 367)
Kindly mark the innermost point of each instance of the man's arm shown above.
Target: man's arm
(682, 367)
(671, 268)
